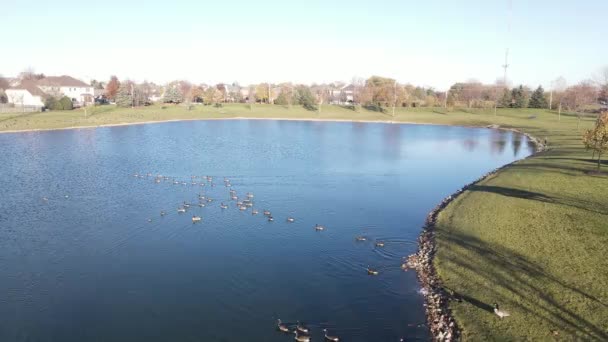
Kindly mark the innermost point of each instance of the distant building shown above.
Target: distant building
(342, 96)
(26, 94)
(32, 93)
(81, 94)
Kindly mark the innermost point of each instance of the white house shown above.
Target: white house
(344, 95)
(26, 94)
(80, 93)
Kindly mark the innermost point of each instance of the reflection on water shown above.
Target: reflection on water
(87, 256)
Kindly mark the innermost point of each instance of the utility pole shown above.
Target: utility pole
(505, 66)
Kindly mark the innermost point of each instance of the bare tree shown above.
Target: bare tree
(558, 86)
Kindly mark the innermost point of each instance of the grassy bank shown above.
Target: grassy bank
(531, 238)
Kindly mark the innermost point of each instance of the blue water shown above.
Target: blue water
(79, 260)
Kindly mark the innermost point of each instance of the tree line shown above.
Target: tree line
(374, 93)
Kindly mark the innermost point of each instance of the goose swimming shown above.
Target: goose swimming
(291, 219)
(301, 328)
(301, 338)
(371, 271)
(196, 219)
(282, 327)
(330, 338)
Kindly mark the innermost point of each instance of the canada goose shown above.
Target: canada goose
(149, 220)
(157, 181)
(239, 203)
(500, 313)
(302, 338)
(242, 207)
(270, 218)
(330, 338)
(301, 328)
(196, 218)
(186, 205)
(223, 206)
(282, 327)
(371, 271)
(379, 244)
(175, 182)
(319, 227)
(254, 212)
(290, 219)
(209, 200)
(267, 212)
(249, 195)
(360, 238)
(184, 183)
(249, 204)
(181, 210)
(234, 198)
(202, 205)
(162, 213)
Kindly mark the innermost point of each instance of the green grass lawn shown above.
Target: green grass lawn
(532, 238)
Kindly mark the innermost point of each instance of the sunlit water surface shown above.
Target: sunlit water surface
(85, 264)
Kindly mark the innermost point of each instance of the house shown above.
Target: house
(343, 95)
(82, 94)
(26, 94)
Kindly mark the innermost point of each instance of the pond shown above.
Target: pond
(86, 256)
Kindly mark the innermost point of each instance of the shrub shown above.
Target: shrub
(374, 107)
(50, 103)
(66, 103)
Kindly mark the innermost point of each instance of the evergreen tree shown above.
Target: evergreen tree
(505, 100)
(172, 95)
(538, 100)
(282, 99)
(124, 98)
(519, 97)
(306, 98)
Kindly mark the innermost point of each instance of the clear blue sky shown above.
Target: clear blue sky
(431, 43)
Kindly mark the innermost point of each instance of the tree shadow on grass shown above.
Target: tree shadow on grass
(528, 288)
(20, 116)
(590, 206)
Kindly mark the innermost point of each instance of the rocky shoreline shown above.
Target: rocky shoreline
(441, 323)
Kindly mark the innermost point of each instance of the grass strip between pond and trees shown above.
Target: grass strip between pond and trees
(532, 237)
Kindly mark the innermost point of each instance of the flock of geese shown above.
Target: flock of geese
(302, 332)
(245, 203)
